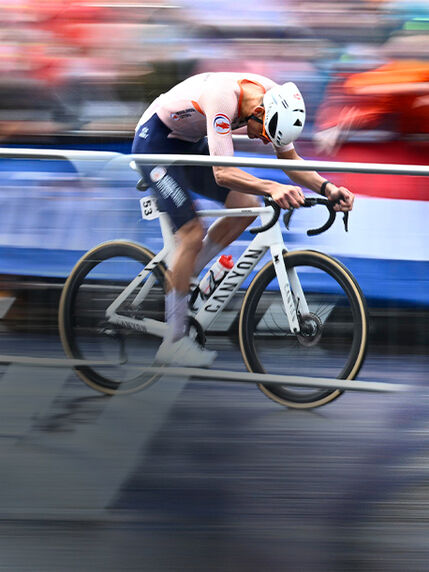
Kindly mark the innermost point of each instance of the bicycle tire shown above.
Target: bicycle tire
(85, 296)
(343, 312)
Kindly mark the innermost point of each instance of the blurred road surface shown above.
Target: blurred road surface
(195, 476)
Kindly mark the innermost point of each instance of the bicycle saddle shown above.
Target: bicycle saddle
(142, 184)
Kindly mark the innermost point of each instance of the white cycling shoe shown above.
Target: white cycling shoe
(185, 352)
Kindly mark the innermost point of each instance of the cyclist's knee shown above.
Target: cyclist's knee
(243, 201)
(251, 202)
(191, 235)
(254, 202)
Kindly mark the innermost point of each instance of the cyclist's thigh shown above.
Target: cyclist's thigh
(172, 196)
(168, 183)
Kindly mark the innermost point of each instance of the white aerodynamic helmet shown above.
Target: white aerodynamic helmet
(284, 113)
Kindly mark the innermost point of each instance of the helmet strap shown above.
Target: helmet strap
(258, 119)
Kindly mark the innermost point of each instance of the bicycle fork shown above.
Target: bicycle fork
(290, 289)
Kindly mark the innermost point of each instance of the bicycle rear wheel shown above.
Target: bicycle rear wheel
(95, 282)
(333, 338)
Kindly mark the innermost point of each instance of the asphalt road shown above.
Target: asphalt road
(194, 476)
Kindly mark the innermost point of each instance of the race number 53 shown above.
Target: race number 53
(149, 208)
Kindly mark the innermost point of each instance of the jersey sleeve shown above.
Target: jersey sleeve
(220, 107)
(284, 148)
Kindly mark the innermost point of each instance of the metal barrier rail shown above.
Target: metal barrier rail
(57, 154)
(227, 376)
(154, 159)
(288, 165)
(56, 362)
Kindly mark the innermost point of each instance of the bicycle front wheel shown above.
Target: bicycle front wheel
(334, 326)
(97, 280)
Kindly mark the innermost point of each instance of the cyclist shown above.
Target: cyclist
(198, 116)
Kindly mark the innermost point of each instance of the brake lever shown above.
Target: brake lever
(309, 202)
(287, 216)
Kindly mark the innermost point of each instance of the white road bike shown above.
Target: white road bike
(303, 313)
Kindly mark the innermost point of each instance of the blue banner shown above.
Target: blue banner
(52, 212)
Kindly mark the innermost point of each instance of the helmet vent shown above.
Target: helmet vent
(272, 125)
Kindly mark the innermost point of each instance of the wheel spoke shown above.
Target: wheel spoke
(333, 331)
(86, 331)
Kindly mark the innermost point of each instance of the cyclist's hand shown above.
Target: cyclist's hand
(341, 195)
(286, 196)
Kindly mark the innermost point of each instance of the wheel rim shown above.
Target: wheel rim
(87, 334)
(330, 352)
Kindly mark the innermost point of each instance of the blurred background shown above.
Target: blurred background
(78, 74)
(88, 68)
(91, 67)
(187, 475)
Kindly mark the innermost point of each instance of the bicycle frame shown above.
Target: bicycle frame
(270, 239)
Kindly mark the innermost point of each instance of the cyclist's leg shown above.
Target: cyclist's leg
(169, 184)
(189, 240)
(189, 232)
(226, 229)
(177, 348)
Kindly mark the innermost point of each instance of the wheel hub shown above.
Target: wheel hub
(311, 329)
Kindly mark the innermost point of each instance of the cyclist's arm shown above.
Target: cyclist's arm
(219, 107)
(285, 196)
(313, 181)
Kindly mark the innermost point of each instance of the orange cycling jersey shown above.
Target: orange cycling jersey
(206, 104)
